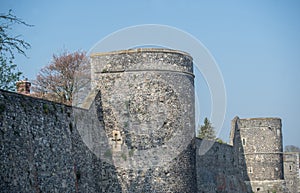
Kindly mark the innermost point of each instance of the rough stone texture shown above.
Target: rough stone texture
(217, 170)
(148, 112)
(258, 148)
(291, 171)
(268, 186)
(135, 135)
(41, 150)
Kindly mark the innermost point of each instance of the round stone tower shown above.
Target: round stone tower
(258, 144)
(147, 101)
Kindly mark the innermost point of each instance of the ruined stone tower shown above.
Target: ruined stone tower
(147, 99)
(258, 145)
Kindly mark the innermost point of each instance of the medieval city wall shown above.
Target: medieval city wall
(135, 136)
(257, 143)
(148, 104)
(41, 150)
(134, 132)
(291, 171)
(217, 169)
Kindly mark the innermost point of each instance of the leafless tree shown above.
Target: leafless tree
(9, 45)
(59, 80)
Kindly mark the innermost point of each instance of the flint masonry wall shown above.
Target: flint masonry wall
(41, 150)
(217, 169)
(262, 144)
(148, 104)
(142, 100)
(138, 142)
(291, 171)
(258, 147)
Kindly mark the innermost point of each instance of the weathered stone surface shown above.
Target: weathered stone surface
(291, 171)
(217, 170)
(137, 135)
(36, 147)
(148, 113)
(143, 118)
(257, 144)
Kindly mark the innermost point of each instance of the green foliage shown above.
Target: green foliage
(207, 131)
(9, 44)
(219, 140)
(8, 75)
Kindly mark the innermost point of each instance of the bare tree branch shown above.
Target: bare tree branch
(56, 81)
(9, 45)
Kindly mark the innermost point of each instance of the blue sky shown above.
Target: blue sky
(255, 43)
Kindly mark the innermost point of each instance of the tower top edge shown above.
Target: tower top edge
(260, 118)
(141, 50)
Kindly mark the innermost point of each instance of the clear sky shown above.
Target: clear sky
(255, 43)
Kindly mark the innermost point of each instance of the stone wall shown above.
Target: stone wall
(291, 171)
(258, 147)
(135, 133)
(41, 150)
(147, 95)
(261, 141)
(217, 169)
(269, 186)
(135, 136)
(148, 104)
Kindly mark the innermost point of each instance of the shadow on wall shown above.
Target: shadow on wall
(176, 175)
(239, 153)
(42, 151)
(221, 169)
(260, 159)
